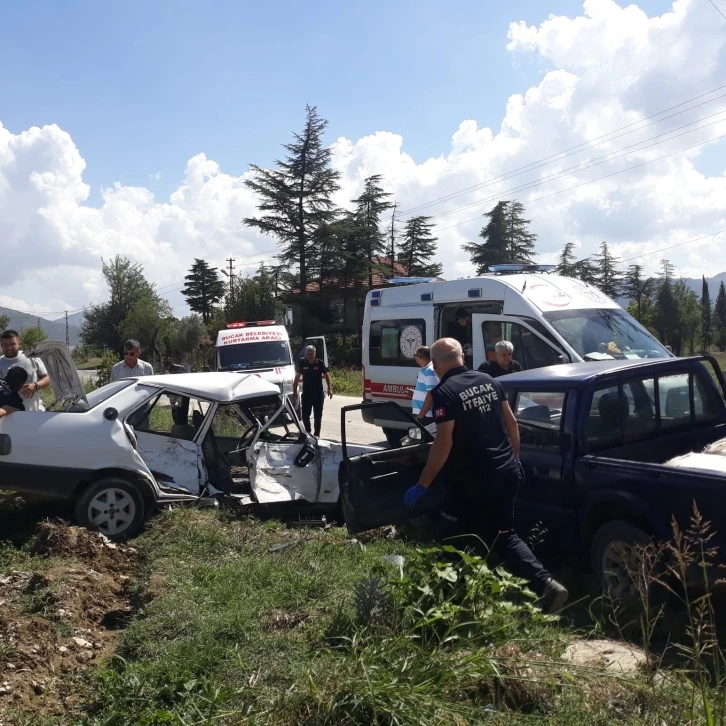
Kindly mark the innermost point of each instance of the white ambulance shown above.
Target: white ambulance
(548, 318)
(262, 347)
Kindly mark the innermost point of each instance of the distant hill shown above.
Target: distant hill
(713, 284)
(54, 329)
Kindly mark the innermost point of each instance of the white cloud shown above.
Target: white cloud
(608, 67)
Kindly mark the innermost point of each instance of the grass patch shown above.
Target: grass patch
(327, 630)
(347, 381)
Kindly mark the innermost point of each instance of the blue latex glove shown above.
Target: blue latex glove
(411, 497)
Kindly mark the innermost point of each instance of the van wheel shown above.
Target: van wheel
(112, 506)
(617, 553)
(394, 436)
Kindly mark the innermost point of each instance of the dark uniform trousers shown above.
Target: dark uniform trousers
(312, 402)
(486, 524)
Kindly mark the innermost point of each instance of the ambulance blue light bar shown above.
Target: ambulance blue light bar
(410, 280)
(376, 293)
(512, 268)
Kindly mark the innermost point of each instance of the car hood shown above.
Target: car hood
(62, 371)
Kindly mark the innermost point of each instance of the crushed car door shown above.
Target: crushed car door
(166, 439)
(531, 350)
(373, 483)
(284, 462)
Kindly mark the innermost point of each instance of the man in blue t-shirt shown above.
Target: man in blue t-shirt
(425, 383)
(10, 399)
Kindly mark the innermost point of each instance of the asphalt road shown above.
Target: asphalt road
(357, 431)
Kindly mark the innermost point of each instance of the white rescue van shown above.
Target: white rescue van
(257, 347)
(262, 347)
(548, 318)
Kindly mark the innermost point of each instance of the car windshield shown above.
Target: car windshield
(603, 334)
(105, 392)
(247, 356)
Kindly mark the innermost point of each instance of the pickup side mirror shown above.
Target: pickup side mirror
(414, 433)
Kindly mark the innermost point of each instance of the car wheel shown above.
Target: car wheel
(394, 436)
(114, 507)
(617, 552)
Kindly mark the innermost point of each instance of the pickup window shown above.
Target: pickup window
(640, 408)
(539, 414)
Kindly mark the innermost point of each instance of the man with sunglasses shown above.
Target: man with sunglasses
(425, 383)
(131, 366)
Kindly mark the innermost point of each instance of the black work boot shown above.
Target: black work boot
(553, 597)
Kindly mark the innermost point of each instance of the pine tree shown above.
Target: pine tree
(666, 314)
(607, 277)
(418, 247)
(369, 207)
(506, 238)
(203, 289)
(567, 261)
(521, 240)
(719, 317)
(706, 316)
(586, 270)
(638, 290)
(296, 197)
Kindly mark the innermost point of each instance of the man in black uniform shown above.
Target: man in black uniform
(476, 446)
(312, 370)
(502, 363)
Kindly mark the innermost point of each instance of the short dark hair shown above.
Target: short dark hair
(16, 377)
(461, 313)
(132, 344)
(8, 334)
(424, 352)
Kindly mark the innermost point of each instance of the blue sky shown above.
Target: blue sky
(143, 86)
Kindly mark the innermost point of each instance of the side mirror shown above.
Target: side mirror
(563, 359)
(414, 433)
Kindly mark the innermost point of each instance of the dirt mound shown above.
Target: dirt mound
(60, 618)
(58, 539)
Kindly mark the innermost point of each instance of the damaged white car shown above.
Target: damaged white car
(126, 448)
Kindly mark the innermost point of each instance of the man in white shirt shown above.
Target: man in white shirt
(131, 366)
(37, 374)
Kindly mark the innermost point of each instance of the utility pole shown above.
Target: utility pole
(230, 276)
(393, 239)
(37, 322)
(68, 340)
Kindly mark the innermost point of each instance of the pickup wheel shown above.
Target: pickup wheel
(616, 553)
(112, 506)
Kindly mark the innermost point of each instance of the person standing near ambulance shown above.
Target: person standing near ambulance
(312, 370)
(477, 448)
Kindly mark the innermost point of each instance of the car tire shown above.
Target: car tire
(616, 551)
(112, 506)
(394, 436)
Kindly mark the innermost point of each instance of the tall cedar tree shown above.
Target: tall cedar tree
(418, 247)
(506, 238)
(706, 316)
(637, 289)
(101, 327)
(719, 317)
(203, 289)
(607, 277)
(567, 261)
(586, 270)
(666, 313)
(296, 197)
(369, 207)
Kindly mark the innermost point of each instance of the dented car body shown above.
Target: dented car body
(121, 451)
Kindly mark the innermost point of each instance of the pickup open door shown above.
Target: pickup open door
(531, 349)
(372, 484)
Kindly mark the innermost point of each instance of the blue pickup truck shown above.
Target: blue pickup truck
(594, 440)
